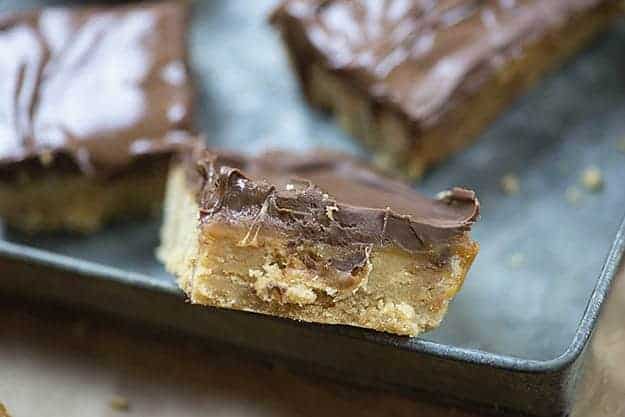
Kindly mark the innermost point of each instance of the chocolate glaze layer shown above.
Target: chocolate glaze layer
(420, 56)
(326, 197)
(98, 87)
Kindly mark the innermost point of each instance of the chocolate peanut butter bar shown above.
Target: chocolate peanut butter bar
(418, 80)
(318, 237)
(93, 102)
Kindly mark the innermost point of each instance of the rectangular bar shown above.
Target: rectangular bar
(93, 103)
(317, 237)
(418, 81)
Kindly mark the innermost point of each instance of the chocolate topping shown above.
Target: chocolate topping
(95, 86)
(326, 197)
(420, 56)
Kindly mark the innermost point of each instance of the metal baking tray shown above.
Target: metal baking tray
(515, 335)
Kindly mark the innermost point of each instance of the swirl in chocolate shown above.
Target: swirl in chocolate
(326, 197)
(421, 55)
(94, 86)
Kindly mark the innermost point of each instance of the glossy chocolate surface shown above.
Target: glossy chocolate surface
(421, 55)
(326, 197)
(95, 88)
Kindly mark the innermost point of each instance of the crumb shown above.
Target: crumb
(510, 184)
(46, 158)
(330, 211)
(3, 411)
(119, 403)
(573, 195)
(516, 260)
(592, 179)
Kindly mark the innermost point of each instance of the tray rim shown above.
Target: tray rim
(584, 329)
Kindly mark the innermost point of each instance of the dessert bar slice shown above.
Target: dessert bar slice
(317, 237)
(93, 102)
(418, 80)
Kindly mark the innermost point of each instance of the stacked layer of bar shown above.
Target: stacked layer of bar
(318, 237)
(93, 102)
(418, 80)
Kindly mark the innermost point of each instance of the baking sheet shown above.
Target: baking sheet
(541, 254)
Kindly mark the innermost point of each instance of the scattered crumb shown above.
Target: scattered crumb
(592, 179)
(620, 145)
(3, 411)
(119, 403)
(573, 195)
(510, 184)
(46, 158)
(330, 212)
(516, 260)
